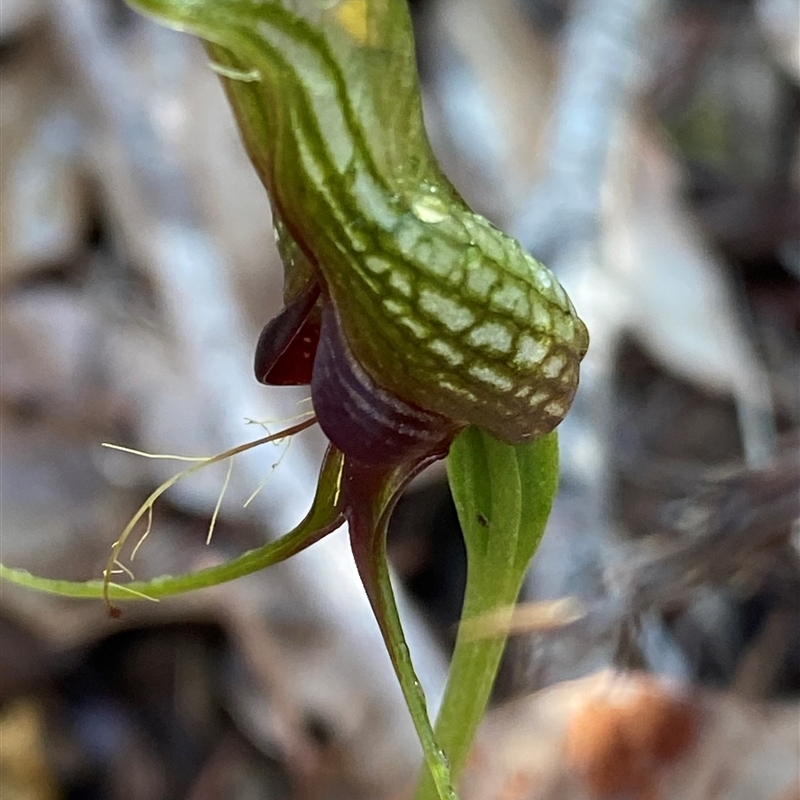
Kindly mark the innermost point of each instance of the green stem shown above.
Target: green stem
(503, 495)
(370, 497)
(472, 674)
(438, 767)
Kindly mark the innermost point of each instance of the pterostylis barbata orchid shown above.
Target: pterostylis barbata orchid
(421, 329)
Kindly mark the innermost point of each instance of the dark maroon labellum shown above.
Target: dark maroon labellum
(288, 343)
(363, 420)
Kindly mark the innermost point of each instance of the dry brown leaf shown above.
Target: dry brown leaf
(635, 736)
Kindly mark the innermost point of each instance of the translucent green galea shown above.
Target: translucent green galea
(437, 306)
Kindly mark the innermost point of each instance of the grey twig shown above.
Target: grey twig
(599, 60)
(560, 223)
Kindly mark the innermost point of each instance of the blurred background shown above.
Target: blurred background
(650, 153)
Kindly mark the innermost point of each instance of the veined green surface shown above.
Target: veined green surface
(437, 305)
